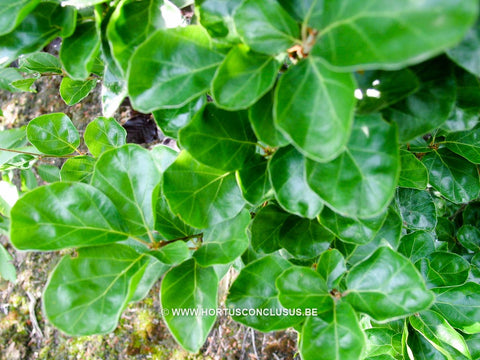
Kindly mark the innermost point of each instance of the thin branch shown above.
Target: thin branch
(35, 154)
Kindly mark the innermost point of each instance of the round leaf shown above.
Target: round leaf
(74, 91)
(417, 209)
(103, 134)
(79, 168)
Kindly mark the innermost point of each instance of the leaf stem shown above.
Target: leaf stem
(162, 243)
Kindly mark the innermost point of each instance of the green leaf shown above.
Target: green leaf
(65, 215)
(40, 62)
(467, 52)
(303, 288)
(351, 230)
(362, 180)
(473, 342)
(417, 209)
(387, 286)
(25, 85)
(13, 12)
(216, 17)
(471, 214)
(129, 26)
(7, 77)
(219, 138)
(265, 27)
(145, 278)
(78, 51)
(362, 37)
(189, 286)
(53, 134)
(453, 176)
(306, 11)
(314, 108)
(155, 82)
(79, 169)
(465, 144)
(460, 306)
(266, 227)
(430, 106)
(261, 119)
(287, 173)
(202, 196)
(7, 269)
(103, 134)
(443, 269)
(469, 237)
(414, 174)
(79, 289)
(169, 225)
(132, 186)
(422, 349)
(164, 156)
(334, 334)
(243, 77)
(48, 173)
(331, 267)
(253, 296)
(380, 342)
(253, 180)
(173, 253)
(417, 245)
(224, 242)
(170, 121)
(73, 91)
(28, 180)
(113, 92)
(82, 3)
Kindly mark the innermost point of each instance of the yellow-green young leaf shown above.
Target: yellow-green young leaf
(133, 186)
(78, 51)
(189, 287)
(86, 294)
(467, 52)
(466, 144)
(155, 81)
(13, 12)
(333, 334)
(314, 108)
(417, 209)
(103, 134)
(413, 174)
(387, 286)
(7, 269)
(266, 27)
(40, 62)
(286, 169)
(79, 168)
(361, 181)
(202, 196)
(218, 138)
(73, 91)
(417, 245)
(243, 77)
(443, 269)
(65, 215)
(53, 134)
(254, 289)
(377, 34)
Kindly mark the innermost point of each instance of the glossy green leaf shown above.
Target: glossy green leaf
(306, 11)
(53, 134)
(444, 269)
(253, 296)
(78, 51)
(465, 144)
(103, 134)
(202, 196)
(380, 342)
(422, 349)
(169, 225)
(413, 174)
(387, 286)
(303, 288)
(80, 287)
(172, 253)
(132, 187)
(129, 26)
(189, 286)
(224, 242)
(217, 17)
(143, 281)
(331, 267)
(155, 81)
(265, 27)
(170, 121)
(243, 77)
(467, 52)
(28, 180)
(367, 36)
(287, 173)
(40, 62)
(13, 12)
(164, 156)
(473, 342)
(333, 334)
(7, 77)
(362, 180)
(25, 85)
(471, 214)
(7, 269)
(65, 215)
(417, 245)
(351, 230)
(48, 173)
(219, 138)
(113, 92)
(469, 237)
(73, 91)
(314, 108)
(453, 176)
(430, 106)
(253, 180)
(417, 209)
(79, 168)
(266, 227)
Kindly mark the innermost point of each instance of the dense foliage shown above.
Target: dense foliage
(329, 152)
